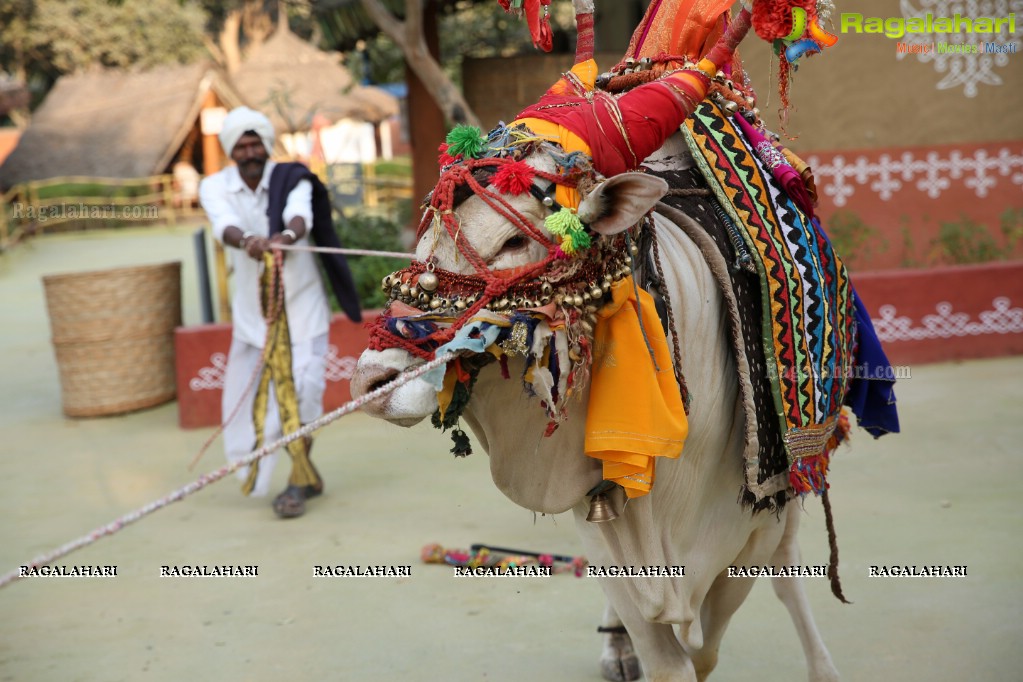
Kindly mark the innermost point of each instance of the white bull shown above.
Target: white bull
(691, 517)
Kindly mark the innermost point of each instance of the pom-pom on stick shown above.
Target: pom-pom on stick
(502, 558)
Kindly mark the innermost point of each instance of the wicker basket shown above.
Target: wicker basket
(113, 334)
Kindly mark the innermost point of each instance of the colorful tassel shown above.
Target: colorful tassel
(465, 140)
(566, 225)
(443, 158)
(514, 178)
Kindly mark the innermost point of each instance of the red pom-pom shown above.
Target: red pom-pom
(514, 178)
(772, 19)
(443, 158)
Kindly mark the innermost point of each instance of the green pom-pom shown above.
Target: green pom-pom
(467, 141)
(563, 222)
(566, 224)
(574, 241)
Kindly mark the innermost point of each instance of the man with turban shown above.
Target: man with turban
(251, 205)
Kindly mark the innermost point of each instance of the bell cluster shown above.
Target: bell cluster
(422, 292)
(732, 100)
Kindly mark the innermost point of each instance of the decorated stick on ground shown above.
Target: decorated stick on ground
(502, 558)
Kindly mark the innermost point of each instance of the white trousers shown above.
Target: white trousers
(308, 367)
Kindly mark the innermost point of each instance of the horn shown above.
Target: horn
(601, 509)
(685, 89)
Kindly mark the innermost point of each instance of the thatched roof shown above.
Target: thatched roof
(114, 123)
(291, 81)
(13, 94)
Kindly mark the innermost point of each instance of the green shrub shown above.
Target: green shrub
(378, 234)
(965, 241)
(851, 237)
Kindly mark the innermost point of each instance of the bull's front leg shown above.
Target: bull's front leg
(618, 660)
(791, 593)
(661, 656)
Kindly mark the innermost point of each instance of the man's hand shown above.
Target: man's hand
(255, 246)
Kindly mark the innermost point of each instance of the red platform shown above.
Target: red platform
(950, 313)
(921, 316)
(201, 355)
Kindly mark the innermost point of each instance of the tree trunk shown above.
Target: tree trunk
(257, 24)
(230, 41)
(408, 35)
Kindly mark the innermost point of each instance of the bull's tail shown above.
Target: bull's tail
(829, 522)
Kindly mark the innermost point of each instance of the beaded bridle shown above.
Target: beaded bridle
(440, 302)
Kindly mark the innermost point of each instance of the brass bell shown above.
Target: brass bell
(428, 282)
(601, 509)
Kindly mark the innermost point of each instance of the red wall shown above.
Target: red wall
(921, 316)
(950, 313)
(902, 196)
(202, 355)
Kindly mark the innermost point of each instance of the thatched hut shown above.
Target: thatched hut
(120, 124)
(299, 87)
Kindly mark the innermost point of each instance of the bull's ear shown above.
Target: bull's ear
(620, 202)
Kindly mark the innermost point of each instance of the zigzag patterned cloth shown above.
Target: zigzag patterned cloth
(808, 327)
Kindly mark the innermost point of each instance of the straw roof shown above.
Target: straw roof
(114, 123)
(13, 94)
(291, 81)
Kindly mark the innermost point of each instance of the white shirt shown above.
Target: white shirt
(228, 201)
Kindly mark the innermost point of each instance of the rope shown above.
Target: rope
(212, 477)
(344, 252)
(273, 310)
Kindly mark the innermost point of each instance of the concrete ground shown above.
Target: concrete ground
(945, 491)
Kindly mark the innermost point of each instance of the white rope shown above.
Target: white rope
(206, 479)
(345, 252)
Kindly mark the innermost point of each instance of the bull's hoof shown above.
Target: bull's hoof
(618, 662)
(624, 669)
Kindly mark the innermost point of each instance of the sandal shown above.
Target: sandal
(290, 504)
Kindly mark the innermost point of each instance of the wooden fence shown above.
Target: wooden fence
(79, 202)
(59, 203)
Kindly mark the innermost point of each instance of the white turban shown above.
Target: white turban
(243, 119)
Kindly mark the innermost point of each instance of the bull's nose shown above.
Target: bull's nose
(370, 377)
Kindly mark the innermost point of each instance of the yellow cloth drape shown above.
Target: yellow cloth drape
(277, 368)
(635, 411)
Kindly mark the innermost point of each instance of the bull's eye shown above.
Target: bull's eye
(514, 243)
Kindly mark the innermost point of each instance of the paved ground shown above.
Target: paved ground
(944, 492)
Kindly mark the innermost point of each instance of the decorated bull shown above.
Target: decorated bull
(648, 267)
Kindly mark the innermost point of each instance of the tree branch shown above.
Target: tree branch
(412, 44)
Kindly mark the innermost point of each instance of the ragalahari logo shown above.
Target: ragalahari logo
(956, 25)
(805, 39)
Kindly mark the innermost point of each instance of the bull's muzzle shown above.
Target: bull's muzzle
(406, 404)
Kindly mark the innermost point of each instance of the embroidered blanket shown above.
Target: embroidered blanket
(792, 308)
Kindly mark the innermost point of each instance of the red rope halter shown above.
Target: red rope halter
(486, 284)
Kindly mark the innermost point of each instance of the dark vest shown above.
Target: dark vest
(282, 180)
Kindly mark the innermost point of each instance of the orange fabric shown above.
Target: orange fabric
(616, 132)
(635, 411)
(586, 72)
(688, 27)
(569, 141)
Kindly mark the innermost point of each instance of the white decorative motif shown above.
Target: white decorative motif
(339, 368)
(933, 174)
(947, 324)
(210, 378)
(965, 69)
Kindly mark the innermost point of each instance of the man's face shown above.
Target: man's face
(250, 155)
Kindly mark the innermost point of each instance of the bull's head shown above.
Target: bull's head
(524, 238)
